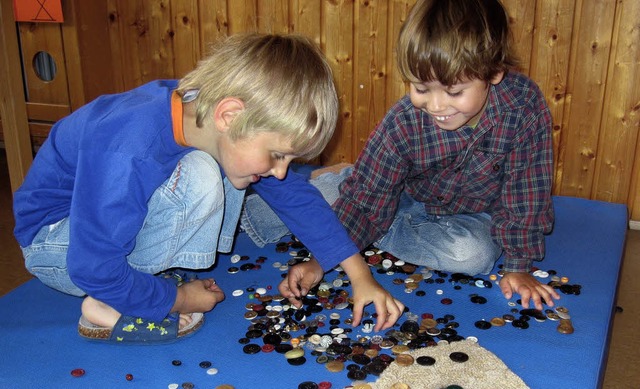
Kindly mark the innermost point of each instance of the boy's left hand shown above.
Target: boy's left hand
(528, 288)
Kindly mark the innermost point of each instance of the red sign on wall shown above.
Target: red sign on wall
(38, 11)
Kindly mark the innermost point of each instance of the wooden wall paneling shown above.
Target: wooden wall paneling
(273, 16)
(12, 109)
(521, 24)
(124, 43)
(72, 56)
(213, 22)
(306, 18)
(145, 45)
(591, 45)
(243, 16)
(116, 26)
(93, 60)
(185, 36)
(550, 62)
(620, 121)
(338, 27)
(47, 38)
(396, 87)
(370, 69)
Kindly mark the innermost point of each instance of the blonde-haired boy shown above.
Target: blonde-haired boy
(136, 183)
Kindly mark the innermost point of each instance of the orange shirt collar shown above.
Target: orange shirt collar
(176, 118)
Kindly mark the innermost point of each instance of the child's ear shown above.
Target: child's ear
(495, 80)
(225, 111)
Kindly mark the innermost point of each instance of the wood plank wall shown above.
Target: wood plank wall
(583, 53)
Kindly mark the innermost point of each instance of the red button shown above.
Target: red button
(77, 372)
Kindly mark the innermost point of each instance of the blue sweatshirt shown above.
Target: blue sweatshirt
(100, 166)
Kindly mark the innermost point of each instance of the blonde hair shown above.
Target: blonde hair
(284, 81)
(455, 40)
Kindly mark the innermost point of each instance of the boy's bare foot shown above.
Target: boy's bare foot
(102, 315)
(330, 169)
(99, 313)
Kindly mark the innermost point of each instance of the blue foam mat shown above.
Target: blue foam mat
(39, 345)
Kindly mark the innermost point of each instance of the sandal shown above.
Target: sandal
(135, 330)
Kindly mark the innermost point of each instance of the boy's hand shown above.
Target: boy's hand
(301, 278)
(528, 288)
(197, 296)
(367, 290)
(370, 291)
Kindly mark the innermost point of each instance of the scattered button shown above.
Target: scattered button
(129, 377)
(334, 366)
(498, 321)
(176, 362)
(565, 326)
(212, 371)
(251, 348)
(483, 325)
(77, 372)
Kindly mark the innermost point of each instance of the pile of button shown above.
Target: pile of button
(276, 325)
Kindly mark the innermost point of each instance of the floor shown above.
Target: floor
(624, 353)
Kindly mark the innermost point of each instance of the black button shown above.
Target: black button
(252, 348)
(440, 198)
(297, 361)
(520, 324)
(205, 364)
(483, 325)
(496, 167)
(308, 385)
(478, 299)
(357, 375)
(273, 339)
(425, 361)
(459, 357)
(252, 334)
(283, 348)
(361, 359)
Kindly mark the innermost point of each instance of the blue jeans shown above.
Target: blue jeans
(453, 243)
(190, 217)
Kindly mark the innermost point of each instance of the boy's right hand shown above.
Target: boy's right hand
(300, 279)
(197, 296)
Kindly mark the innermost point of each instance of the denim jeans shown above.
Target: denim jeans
(453, 243)
(191, 216)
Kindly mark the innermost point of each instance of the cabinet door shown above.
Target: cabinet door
(45, 76)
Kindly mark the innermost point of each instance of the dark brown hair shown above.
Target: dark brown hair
(455, 40)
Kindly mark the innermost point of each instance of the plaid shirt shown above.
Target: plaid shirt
(503, 166)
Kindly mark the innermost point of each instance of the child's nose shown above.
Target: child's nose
(435, 103)
(279, 170)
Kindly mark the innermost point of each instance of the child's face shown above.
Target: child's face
(245, 161)
(452, 107)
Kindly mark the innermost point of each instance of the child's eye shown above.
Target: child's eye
(279, 157)
(454, 94)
